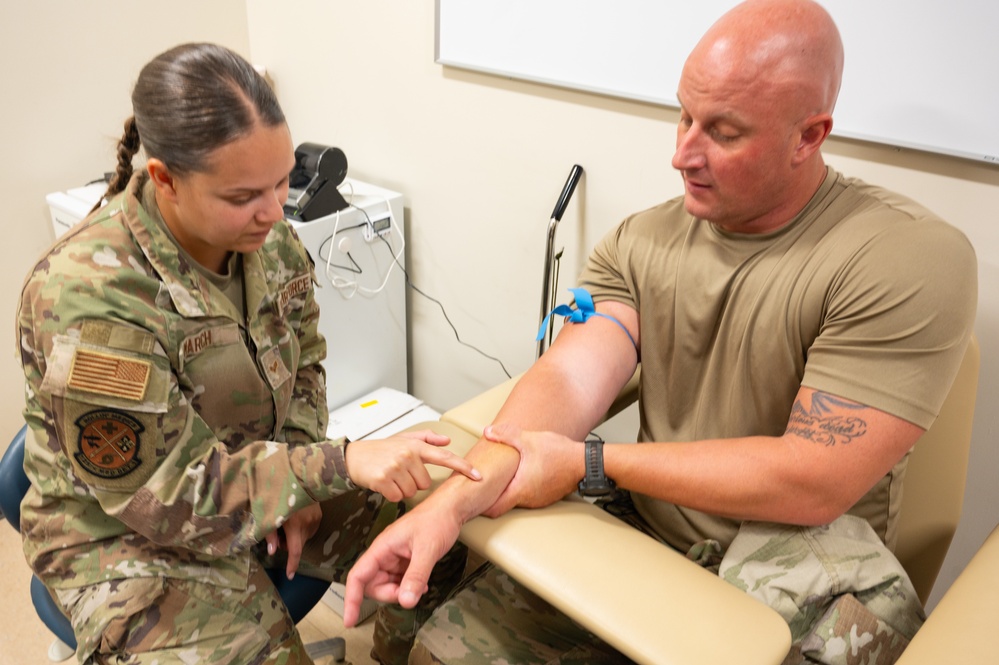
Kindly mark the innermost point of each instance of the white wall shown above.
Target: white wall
(481, 161)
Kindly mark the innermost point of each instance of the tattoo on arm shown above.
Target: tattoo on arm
(821, 425)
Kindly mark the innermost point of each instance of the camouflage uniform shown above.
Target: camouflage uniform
(493, 620)
(170, 432)
(839, 612)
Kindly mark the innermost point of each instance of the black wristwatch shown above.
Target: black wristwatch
(595, 482)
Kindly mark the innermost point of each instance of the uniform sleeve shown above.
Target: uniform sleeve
(898, 319)
(637, 245)
(308, 415)
(102, 392)
(604, 276)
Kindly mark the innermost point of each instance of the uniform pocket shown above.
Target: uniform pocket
(103, 614)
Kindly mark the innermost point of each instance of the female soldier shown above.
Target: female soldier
(175, 395)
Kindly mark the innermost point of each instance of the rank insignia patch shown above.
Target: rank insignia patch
(109, 443)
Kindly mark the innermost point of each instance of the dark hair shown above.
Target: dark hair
(187, 102)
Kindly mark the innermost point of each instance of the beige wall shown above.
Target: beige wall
(68, 70)
(480, 160)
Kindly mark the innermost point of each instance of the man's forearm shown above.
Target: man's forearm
(550, 397)
(464, 499)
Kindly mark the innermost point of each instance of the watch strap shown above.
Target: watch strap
(595, 482)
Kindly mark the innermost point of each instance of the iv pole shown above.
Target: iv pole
(550, 276)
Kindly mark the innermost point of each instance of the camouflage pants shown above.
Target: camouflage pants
(147, 620)
(162, 620)
(494, 620)
(845, 597)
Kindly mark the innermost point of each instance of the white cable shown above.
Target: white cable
(338, 282)
(348, 287)
(350, 199)
(395, 259)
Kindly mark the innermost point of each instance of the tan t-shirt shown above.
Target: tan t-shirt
(865, 295)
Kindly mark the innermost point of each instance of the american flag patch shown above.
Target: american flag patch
(106, 374)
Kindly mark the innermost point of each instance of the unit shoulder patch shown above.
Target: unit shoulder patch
(108, 443)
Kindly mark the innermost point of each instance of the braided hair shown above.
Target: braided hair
(186, 103)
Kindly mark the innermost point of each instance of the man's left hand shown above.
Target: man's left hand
(551, 466)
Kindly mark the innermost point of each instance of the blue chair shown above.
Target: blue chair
(299, 594)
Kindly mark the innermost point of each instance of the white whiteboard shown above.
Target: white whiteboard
(919, 73)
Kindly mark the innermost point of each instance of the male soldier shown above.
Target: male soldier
(797, 331)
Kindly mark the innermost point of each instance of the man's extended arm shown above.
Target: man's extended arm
(831, 453)
(567, 391)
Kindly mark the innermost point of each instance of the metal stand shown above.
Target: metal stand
(550, 277)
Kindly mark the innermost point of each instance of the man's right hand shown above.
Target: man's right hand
(397, 566)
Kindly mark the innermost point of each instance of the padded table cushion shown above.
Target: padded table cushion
(958, 628)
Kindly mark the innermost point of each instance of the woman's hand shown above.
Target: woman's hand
(395, 467)
(297, 529)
